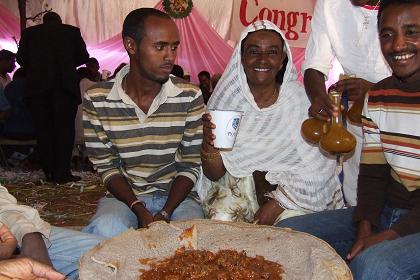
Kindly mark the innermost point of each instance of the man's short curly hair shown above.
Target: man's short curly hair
(133, 25)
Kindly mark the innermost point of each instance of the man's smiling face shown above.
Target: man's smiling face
(399, 34)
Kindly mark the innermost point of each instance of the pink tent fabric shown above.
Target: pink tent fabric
(110, 53)
(298, 58)
(9, 29)
(201, 46)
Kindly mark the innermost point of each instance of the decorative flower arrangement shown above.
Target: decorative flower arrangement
(178, 8)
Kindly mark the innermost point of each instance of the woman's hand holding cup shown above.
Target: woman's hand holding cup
(208, 136)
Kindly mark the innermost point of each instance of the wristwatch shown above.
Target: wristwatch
(164, 214)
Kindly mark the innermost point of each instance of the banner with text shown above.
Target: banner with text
(293, 17)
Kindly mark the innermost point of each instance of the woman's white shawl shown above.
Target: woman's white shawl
(269, 139)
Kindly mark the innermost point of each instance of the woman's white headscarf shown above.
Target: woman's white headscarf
(269, 139)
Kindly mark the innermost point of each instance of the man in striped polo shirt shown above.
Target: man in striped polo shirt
(381, 235)
(143, 132)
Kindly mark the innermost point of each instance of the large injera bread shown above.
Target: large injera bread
(302, 256)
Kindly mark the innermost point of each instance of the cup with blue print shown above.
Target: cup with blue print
(227, 126)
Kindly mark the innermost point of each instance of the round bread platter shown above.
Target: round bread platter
(301, 255)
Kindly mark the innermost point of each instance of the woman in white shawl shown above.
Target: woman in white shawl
(291, 176)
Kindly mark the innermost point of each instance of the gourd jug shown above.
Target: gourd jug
(312, 129)
(337, 140)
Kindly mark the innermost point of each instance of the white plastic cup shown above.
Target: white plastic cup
(227, 125)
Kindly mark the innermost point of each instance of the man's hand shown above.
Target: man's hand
(262, 186)
(366, 238)
(25, 269)
(145, 220)
(159, 217)
(322, 108)
(354, 88)
(364, 243)
(268, 213)
(8, 243)
(144, 217)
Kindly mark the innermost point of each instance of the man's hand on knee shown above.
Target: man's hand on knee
(144, 217)
(25, 268)
(366, 238)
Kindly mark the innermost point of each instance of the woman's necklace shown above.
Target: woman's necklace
(366, 17)
(271, 100)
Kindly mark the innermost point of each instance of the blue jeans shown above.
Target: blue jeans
(67, 246)
(393, 259)
(114, 217)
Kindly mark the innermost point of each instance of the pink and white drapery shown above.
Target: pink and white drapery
(201, 46)
(9, 29)
(109, 53)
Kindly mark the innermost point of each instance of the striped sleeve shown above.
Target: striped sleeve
(389, 170)
(98, 147)
(187, 157)
(372, 151)
(373, 174)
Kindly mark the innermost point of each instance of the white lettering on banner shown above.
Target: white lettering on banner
(291, 16)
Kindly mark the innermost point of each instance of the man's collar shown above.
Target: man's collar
(116, 89)
(169, 89)
(413, 86)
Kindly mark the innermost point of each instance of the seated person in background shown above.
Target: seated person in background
(19, 125)
(119, 67)
(187, 76)
(7, 65)
(93, 66)
(57, 247)
(289, 174)
(21, 268)
(86, 80)
(178, 71)
(143, 133)
(4, 108)
(381, 235)
(205, 85)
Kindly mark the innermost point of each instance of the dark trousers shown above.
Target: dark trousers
(54, 112)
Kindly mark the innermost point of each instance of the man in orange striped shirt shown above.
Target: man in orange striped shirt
(381, 235)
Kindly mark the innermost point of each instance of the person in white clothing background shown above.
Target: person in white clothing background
(345, 30)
